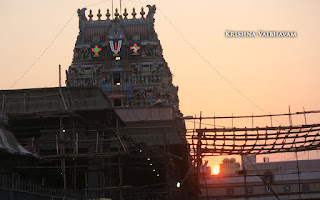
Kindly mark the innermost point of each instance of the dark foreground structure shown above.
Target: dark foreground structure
(74, 140)
(115, 132)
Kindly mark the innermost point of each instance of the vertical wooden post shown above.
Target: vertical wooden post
(102, 161)
(298, 168)
(305, 118)
(290, 119)
(59, 77)
(63, 162)
(120, 174)
(3, 97)
(74, 174)
(232, 120)
(74, 159)
(97, 141)
(77, 141)
(271, 120)
(57, 145)
(24, 102)
(305, 122)
(245, 177)
(252, 121)
(60, 90)
(200, 133)
(86, 183)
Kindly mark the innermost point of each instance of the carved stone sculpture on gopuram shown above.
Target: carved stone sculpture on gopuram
(122, 55)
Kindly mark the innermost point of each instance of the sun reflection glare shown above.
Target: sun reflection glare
(216, 170)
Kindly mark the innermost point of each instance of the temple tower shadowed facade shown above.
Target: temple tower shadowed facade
(123, 56)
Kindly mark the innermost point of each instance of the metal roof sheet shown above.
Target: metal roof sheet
(9, 144)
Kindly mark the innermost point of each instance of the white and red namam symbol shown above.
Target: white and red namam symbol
(115, 46)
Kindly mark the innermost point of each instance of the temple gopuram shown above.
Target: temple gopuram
(124, 57)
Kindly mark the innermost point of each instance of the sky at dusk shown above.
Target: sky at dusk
(217, 75)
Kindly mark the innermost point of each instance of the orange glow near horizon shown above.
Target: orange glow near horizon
(216, 170)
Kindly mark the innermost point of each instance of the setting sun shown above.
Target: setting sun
(216, 170)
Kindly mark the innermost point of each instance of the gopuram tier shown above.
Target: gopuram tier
(124, 57)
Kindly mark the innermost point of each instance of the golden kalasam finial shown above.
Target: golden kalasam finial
(99, 14)
(108, 14)
(116, 14)
(125, 14)
(133, 13)
(142, 12)
(90, 15)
